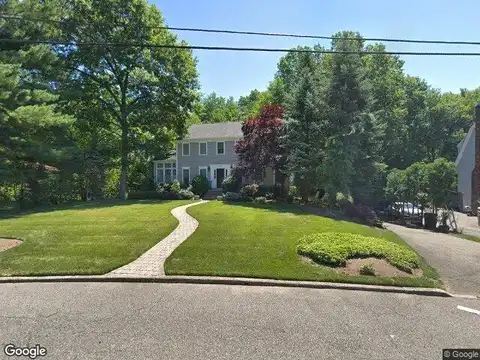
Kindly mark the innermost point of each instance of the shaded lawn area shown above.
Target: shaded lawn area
(467, 237)
(85, 238)
(260, 241)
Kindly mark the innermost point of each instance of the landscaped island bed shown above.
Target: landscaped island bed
(248, 240)
(85, 238)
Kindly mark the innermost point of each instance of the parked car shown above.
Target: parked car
(408, 208)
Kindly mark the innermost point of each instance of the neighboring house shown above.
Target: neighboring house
(206, 150)
(465, 164)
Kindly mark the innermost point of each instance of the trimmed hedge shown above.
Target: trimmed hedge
(334, 249)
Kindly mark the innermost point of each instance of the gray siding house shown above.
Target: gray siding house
(465, 164)
(206, 150)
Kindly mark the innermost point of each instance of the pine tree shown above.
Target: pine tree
(304, 128)
(349, 149)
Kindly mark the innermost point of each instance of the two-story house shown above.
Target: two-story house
(206, 150)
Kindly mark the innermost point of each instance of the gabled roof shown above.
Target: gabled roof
(215, 131)
(462, 145)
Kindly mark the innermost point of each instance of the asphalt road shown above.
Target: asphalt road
(181, 321)
(456, 260)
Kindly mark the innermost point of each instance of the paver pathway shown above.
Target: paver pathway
(151, 263)
(456, 260)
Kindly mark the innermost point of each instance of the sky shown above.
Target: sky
(237, 73)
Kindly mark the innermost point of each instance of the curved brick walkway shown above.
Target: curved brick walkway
(151, 263)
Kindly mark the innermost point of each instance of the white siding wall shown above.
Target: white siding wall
(465, 165)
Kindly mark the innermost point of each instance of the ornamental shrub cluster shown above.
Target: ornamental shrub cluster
(334, 249)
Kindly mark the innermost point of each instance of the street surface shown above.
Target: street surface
(181, 321)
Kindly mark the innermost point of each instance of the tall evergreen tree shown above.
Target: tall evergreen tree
(349, 148)
(304, 126)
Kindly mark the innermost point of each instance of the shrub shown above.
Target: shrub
(289, 199)
(260, 200)
(364, 213)
(249, 191)
(367, 269)
(185, 194)
(263, 190)
(196, 197)
(175, 186)
(200, 185)
(335, 248)
(172, 191)
(293, 191)
(232, 196)
(232, 182)
(144, 195)
(270, 196)
(111, 188)
(219, 198)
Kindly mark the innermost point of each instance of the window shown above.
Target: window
(186, 149)
(186, 175)
(202, 148)
(220, 148)
(166, 172)
(202, 171)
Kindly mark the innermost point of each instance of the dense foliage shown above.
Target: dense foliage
(200, 185)
(84, 122)
(334, 249)
(261, 147)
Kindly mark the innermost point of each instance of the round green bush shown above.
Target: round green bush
(334, 249)
(200, 185)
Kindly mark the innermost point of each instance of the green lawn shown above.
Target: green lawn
(468, 237)
(259, 241)
(86, 238)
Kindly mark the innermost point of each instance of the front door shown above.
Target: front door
(220, 177)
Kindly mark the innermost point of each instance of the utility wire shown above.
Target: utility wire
(271, 34)
(228, 48)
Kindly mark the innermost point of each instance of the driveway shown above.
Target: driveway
(124, 321)
(456, 260)
(469, 224)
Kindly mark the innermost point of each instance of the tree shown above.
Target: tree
(145, 93)
(441, 182)
(214, 109)
(349, 160)
(33, 132)
(261, 147)
(305, 135)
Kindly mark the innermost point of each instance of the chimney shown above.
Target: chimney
(476, 170)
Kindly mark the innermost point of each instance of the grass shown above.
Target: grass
(86, 238)
(334, 249)
(249, 240)
(467, 237)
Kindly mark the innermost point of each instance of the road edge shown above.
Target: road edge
(209, 280)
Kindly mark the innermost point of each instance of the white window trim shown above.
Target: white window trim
(189, 149)
(189, 173)
(206, 148)
(206, 171)
(216, 147)
(161, 164)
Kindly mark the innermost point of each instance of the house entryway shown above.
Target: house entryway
(218, 174)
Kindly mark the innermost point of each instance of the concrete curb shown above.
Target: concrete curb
(231, 281)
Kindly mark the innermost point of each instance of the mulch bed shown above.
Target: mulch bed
(381, 266)
(6, 244)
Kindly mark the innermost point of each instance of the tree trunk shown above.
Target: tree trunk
(124, 161)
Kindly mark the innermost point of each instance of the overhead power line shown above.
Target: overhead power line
(271, 34)
(229, 48)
